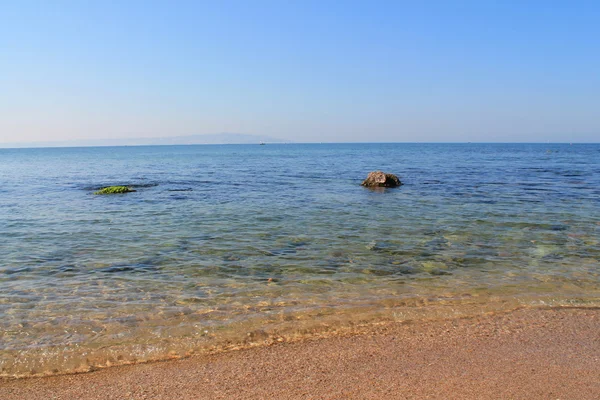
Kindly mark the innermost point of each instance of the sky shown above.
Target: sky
(303, 71)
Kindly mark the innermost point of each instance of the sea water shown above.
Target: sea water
(227, 246)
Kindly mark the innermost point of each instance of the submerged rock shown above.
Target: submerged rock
(381, 179)
(114, 190)
(435, 268)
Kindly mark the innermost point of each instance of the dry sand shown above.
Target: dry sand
(524, 354)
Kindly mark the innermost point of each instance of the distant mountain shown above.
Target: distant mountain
(220, 138)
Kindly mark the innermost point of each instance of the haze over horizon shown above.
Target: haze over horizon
(303, 72)
(217, 139)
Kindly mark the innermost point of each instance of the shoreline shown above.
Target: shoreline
(525, 353)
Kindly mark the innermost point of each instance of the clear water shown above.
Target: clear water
(225, 246)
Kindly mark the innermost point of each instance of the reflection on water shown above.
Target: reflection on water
(228, 246)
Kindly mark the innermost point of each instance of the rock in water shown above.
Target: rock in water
(381, 179)
(114, 190)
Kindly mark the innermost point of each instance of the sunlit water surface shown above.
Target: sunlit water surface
(229, 246)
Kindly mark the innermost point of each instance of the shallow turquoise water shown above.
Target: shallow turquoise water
(226, 241)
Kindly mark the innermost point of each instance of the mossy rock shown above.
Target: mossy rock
(114, 190)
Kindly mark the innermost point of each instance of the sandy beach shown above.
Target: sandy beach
(523, 354)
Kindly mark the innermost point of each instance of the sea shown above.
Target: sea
(224, 247)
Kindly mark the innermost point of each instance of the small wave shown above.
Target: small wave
(134, 268)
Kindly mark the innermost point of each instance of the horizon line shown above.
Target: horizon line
(6, 146)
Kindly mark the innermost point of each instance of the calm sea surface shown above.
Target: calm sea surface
(229, 246)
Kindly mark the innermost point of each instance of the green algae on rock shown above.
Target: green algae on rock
(114, 190)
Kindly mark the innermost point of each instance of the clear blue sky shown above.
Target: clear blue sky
(301, 70)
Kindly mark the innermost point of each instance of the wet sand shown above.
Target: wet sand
(524, 354)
